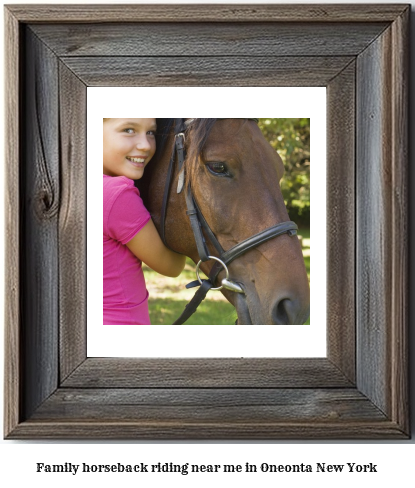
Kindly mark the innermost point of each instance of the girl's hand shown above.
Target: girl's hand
(147, 246)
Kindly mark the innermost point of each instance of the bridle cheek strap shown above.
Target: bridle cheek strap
(193, 214)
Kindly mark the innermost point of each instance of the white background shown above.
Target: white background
(394, 459)
(218, 341)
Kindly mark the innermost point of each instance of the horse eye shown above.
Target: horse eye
(217, 168)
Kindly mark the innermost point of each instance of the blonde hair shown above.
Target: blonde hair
(105, 119)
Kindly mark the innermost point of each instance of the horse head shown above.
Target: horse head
(234, 176)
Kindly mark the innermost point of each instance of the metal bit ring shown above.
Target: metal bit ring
(219, 261)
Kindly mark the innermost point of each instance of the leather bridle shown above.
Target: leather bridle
(199, 224)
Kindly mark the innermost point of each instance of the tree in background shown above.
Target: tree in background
(291, 139)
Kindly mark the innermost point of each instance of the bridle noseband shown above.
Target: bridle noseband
(199, 224)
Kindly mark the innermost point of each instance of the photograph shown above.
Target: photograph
(190, 172)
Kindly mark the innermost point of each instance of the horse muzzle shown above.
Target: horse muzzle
(287, 311)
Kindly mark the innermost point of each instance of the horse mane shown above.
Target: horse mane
(197, 134)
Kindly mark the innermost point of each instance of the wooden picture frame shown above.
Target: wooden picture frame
(360, 53)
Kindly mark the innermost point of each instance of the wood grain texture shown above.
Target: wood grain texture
(72, 222)
(206, 71)
(208, 39)
(341, 236)
(40, 205)
(205, 13)
(167, 430)
(206, 373)
(382, 222)
(209, 405)
(13, 380)
(400, 232)
(374, 221)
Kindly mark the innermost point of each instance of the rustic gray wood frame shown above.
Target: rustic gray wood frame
(359, 52)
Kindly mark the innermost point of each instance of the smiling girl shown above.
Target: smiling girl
(130, 236)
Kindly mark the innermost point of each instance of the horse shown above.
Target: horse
(233, 176)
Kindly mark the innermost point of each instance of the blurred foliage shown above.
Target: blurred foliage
(291, 139)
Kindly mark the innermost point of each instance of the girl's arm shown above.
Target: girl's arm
(149, 248)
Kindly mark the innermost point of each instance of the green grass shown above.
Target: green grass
(168, 296)
(165, 311)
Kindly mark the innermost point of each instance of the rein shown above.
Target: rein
(199, 224)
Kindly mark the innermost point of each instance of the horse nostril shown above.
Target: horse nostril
(289, 312)
(280, 313)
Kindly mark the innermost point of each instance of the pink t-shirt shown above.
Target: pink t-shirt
(125, 293)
